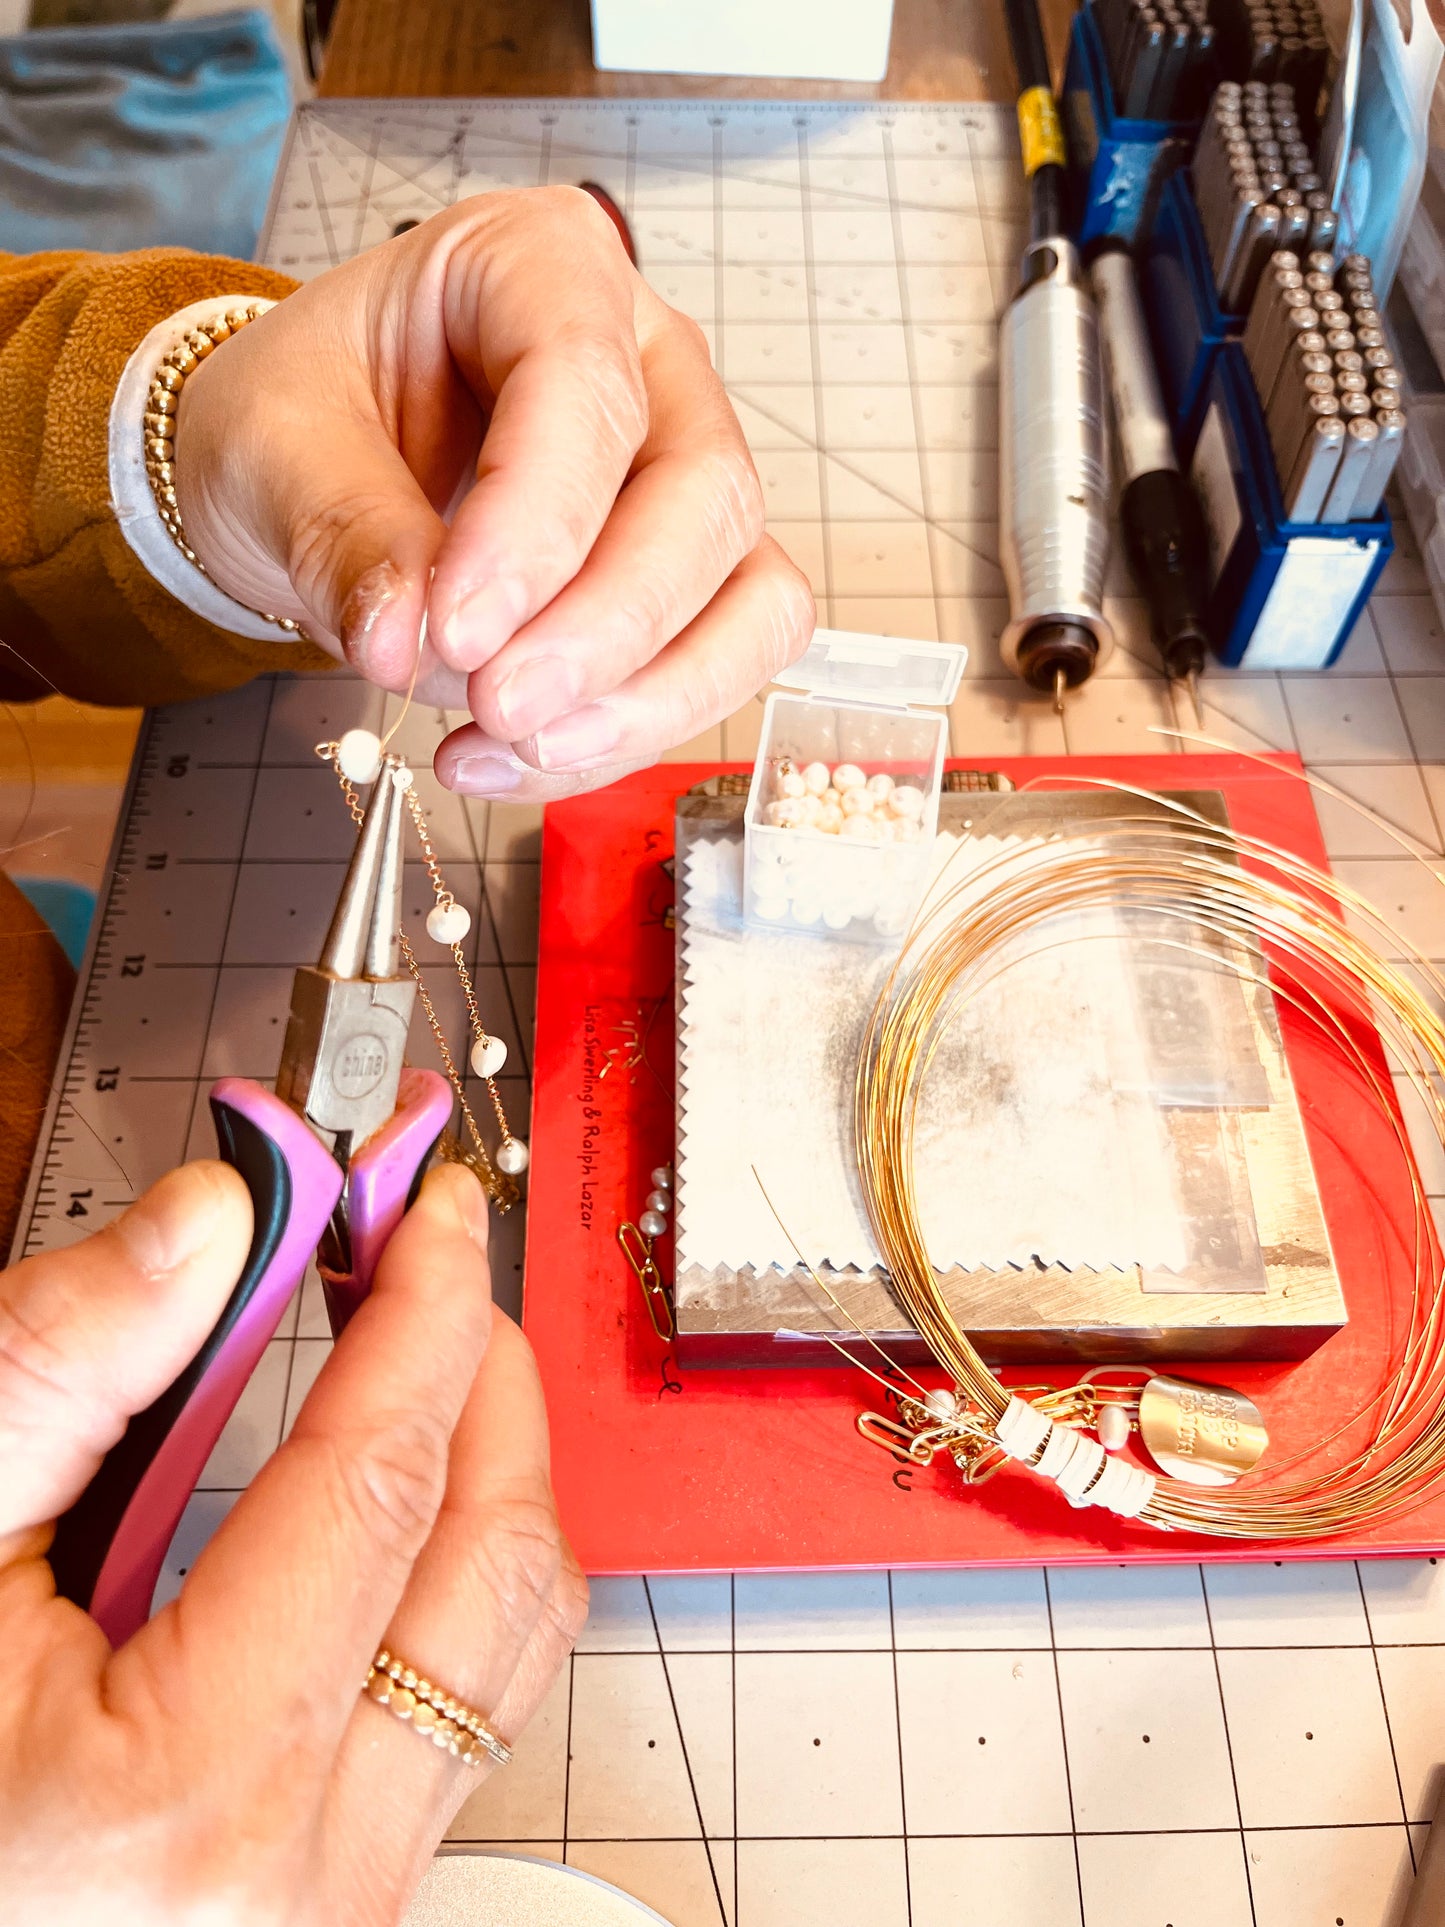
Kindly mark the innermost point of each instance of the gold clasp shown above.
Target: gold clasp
(896, 1439)
(637, 1249)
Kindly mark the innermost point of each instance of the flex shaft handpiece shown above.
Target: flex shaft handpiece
(1163, 524)
(1053, 471)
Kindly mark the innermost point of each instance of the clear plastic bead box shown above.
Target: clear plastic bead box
(879, 704)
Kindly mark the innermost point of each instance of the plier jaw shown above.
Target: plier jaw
(351, 1012)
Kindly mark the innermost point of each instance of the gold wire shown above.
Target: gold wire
(1281, 924)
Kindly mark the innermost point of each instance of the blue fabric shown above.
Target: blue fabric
(162, 135)
(66, 907)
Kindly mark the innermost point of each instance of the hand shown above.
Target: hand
(604, 589)
(223, 1766)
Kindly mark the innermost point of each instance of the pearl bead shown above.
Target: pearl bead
(772, 909)
(1113, 1427)
(488, 1056)
(806, 910)
(652, 1224)
(448, 923)
(792, 784)
(848, 776)
(830, 820)
(862, 829)
(513, 1157)
(905, 800)
(881, 784)
(859, 802)
(812, 810)
(659, 1200)
(358, 755)
(837, 916)
(941, 1404)
(906, 829)
(816, 778)
(662, 1177)
(786, 814)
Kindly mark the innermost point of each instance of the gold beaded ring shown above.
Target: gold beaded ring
(162, 405)
(437, 1716)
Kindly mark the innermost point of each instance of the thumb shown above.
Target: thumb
(92, 1335)
(358, 537)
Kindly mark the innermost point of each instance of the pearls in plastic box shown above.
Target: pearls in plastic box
(844, 805)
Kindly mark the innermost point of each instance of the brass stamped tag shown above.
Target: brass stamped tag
(1202, 1434)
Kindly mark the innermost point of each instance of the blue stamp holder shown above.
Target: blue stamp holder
(1116, 166)
(1286, 594)
(1187, 326)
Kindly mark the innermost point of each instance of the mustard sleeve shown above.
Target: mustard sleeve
(78, 610)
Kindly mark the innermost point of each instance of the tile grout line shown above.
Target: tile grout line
(1228, 1744)
(902, 1775)
(686, 1756)
(1064, 1747)
(1389, 1723)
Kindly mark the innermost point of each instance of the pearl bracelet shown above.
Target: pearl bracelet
(163, 402)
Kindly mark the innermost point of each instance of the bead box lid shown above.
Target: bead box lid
(842, 666)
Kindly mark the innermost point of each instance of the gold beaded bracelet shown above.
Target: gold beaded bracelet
(162, 406)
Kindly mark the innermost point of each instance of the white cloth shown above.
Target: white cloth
(131, 498)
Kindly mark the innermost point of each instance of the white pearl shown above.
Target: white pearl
(770, 909)
(786, 814)
(848, 776)
(816, 778)
(662, 1177)
(1113, 1427)
(792, 784)
(652, 1224)
(806, 910)
(862, 829)
(658, 1201)
(358, 755)
(812, 810)
(906, 829)
(837, 916)
(488, 1056)
(830, 820)
(513, 1157)
(881, 784)
(941, 1404)
(448, 922)
(859, 803)
(905, 800)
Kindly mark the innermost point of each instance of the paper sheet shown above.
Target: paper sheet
(1038, 1139)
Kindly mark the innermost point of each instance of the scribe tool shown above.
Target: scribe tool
(1163, 524)
(331, 1160)
(1053, 477)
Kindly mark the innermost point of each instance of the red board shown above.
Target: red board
(661, 1470)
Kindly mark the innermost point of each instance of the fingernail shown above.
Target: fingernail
(169, 1224)
(586, 736)
(484, 776)
(371, 596)
(534, 693)
(482, 621)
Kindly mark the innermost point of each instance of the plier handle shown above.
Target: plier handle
(332, 1159)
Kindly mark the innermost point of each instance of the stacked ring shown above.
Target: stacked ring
(437, 1716)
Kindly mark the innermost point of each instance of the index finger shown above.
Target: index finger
(298, 1585)
(540, 315)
